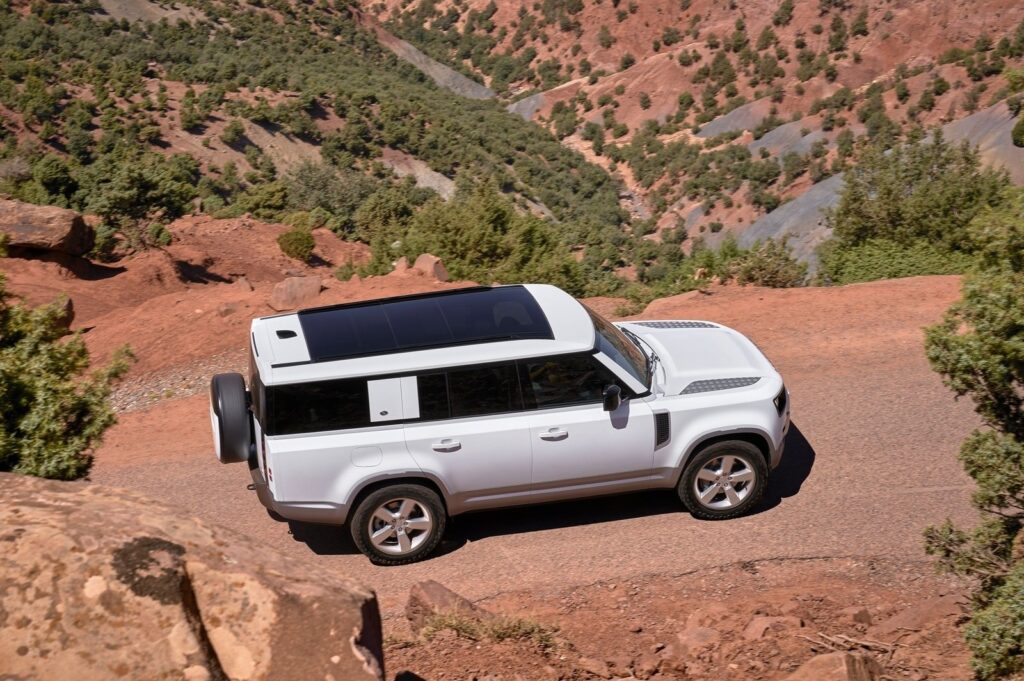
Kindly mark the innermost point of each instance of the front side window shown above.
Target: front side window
(320, 406)
(624, 352)
(563, 381)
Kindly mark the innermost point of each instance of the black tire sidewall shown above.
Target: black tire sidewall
(751, 455)
(358, 523)
(231, 405)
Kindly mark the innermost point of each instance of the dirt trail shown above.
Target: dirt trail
(870, 463)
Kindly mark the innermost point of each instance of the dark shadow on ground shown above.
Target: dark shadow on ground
(797, 462)
(785, 481)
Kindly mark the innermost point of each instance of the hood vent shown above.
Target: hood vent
(719, 384)
(677, 325)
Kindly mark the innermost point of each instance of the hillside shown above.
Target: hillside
(713, 114)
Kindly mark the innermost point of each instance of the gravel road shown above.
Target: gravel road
(871, 462)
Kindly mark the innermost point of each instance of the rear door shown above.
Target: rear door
(575, 442)
(473, 434)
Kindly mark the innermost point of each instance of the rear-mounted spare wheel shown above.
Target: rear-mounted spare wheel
(229, 417)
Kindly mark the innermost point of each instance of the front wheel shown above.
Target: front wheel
(724, 480)
(398, 524)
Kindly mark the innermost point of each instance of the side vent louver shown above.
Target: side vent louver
(662, 428)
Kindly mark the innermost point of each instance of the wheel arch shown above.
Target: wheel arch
(371, 486)
(754, 436)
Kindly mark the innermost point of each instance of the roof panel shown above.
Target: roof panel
(434, 320)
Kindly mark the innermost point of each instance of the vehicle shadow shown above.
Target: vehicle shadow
(785, 481)
(795, 467)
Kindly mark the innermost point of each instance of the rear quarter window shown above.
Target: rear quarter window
(316, 407)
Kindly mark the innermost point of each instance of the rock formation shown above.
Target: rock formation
(101, 583)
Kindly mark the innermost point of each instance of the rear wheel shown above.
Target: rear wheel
(724, 480)
(398, 524)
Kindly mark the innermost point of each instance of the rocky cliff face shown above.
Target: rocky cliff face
(100, 583)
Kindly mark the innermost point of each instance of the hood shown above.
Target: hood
(693, 351)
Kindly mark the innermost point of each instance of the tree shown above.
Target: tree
(927, 189)
(51, 413)
(979, 350)
(1018, 133)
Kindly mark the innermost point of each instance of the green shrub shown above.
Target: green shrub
(769, 263)
(1018, 132)
(996, 631)
(979, 350)
(886, 259)
(51, 413)
(297, 243)
(158, 234)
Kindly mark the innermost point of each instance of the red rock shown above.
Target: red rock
(838, 667)
(429, 599)
(46, 228)
(920, 615)
(759, 626)
(295, 292)
(431, 266)
(99, 579)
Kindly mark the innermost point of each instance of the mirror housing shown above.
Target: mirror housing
(612, 397)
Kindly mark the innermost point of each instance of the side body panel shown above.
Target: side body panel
(484, 461)
(582, 445)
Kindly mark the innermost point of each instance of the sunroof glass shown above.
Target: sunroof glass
(423, 322)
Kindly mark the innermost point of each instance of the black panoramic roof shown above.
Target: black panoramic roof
(430, 320)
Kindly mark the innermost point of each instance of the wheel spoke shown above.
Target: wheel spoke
(422, 524)
(380, 536)
(384, 515)
(706, 475)
(404, 543)
(406, 508)
(734, 498)
(742, 476)
(709, 493)
(727, 464)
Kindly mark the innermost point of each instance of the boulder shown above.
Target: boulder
(429, 599)
(431, 266)
(295, 292)
(838, 667)
(99, 583)
(45, 228)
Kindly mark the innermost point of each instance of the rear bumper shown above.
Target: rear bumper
(326, 514)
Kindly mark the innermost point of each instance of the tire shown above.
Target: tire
(404, 503)
(230, 418)
(710, 494)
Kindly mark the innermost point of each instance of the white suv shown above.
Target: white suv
(395, 414)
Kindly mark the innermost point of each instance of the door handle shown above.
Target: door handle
(554, 434)
(446, 445)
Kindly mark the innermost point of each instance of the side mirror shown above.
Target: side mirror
(612, 397)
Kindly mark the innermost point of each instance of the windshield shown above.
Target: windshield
(627, 354)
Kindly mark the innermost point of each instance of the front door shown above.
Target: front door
(473, 434)
(576, 444)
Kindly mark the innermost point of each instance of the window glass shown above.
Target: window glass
(624, 352)
(557, 381)
(321, 406)
(433, 396)
(484, 390)
(476, 315)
